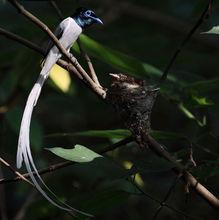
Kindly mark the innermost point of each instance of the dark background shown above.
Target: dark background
(149, 32)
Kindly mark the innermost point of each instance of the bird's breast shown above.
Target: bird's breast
(74, 30)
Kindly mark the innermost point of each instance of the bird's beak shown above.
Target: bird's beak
(114, 76)
(98, 21)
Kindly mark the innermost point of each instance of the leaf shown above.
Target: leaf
(117, 59)
(190, 115)
(96, 166)
(118, 133)
(204, 86)
(202, 101)
(78, 154)
(61, 78)
(214, 30)
(137, 176)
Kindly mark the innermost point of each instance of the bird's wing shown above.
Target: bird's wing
(58, 33)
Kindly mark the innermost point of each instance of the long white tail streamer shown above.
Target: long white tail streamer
(24, 152)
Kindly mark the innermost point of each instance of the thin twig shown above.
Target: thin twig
(57, 9)
(89, 62)
(203, 17)
(21, 40)
(19, 175)
(99, 90)
(191, 158)
(159, 19)
(168, 194)
(82, 50)
(186, 176)
(67, 163)
(159, 202)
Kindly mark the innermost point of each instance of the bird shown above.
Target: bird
(67, 33)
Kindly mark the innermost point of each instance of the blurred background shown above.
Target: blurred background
(137, 38)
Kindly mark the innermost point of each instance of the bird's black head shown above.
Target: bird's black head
(85, 17)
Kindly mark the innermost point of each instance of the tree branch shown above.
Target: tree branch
(69, 67)
(19, 175)
(180, 169)
(203, 17)
(89, 62)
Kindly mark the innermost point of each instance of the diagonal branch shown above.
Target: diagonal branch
(203, 17)
(19, 175)
(180, 169)
(99, 90)
(69, 67)
(89, 62)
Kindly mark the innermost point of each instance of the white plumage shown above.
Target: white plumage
(68, 31)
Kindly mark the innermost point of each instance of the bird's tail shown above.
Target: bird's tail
(24, 141)
(24, 151)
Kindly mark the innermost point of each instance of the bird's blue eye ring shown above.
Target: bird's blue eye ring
(88, 13)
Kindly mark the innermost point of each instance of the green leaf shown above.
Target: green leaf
(191, 116)
(204, 86)
(214, 30)
(78, 154)
(118, 60)
(60, 78)
(118, 134)
(202, 101)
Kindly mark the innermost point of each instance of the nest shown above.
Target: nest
(133, 100)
